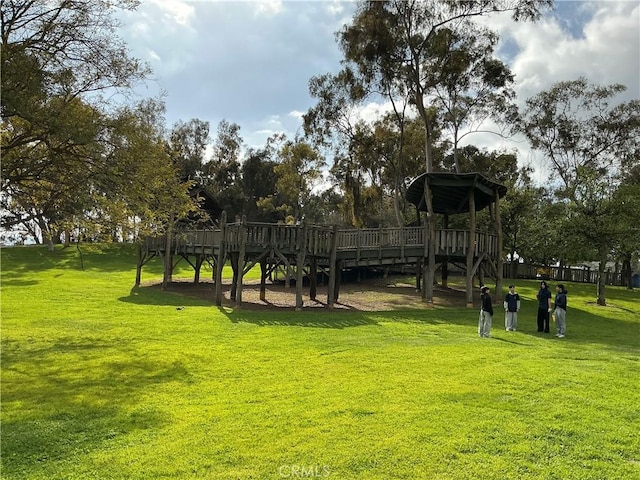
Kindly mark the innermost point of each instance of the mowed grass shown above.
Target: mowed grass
(104, 381)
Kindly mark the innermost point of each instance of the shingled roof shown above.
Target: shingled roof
(451, 191)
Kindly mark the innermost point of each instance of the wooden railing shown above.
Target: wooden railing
(317, 240)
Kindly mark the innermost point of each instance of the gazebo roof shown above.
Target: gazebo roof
(451, 191)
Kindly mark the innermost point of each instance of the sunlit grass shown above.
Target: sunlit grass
(102, 380)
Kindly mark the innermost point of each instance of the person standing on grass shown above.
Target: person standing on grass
(486, 313)
(544, 307)
(511, 309)
(560, 312)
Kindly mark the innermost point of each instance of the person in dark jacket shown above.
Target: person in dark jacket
(560, 310)
(486, 313)
(544, 307)
(511, 309)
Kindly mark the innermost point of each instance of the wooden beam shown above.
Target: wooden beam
(430, 276)
(300, 258)
(499, 259)
(471, 247)
(241, 260)
(264, 272)
(220, 261)
(313, 278)
(332, 267)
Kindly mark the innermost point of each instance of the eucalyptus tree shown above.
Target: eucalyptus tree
(221, 171)
(590, 141)
(400, 43)
(258, 182)
(187, 147)
(299, 172)
(469, 84)
(406, 44)
(335, 126)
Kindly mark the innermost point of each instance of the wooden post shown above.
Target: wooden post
(313, 278)
(430, 241)
(332, 267)
(471, 248)
(220, 261)
(499, 259)
(264, 271)
(300, 257)
(241, 260)
(139, 262)
(445, 263)
(336, 290)
(234, 282)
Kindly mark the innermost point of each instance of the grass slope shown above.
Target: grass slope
(103, 381)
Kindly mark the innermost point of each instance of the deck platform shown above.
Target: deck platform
(303, 250)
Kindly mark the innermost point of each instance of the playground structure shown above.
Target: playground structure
(305, 250)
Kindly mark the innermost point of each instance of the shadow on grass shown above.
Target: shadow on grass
(298, 319)
(583, 327)
(154, 295)
(54, 409)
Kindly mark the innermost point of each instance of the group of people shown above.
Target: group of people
(512, 307)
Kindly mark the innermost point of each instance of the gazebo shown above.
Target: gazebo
(456, 193)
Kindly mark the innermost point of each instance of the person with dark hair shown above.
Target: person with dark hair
(486, 313)
(544, 307)
(511, 309)
(560, 312)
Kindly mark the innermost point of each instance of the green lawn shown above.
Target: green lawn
(103, 381)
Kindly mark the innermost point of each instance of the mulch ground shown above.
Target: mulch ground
(378, 294)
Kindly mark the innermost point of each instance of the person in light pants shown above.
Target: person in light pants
(511, 309)
(560, 312)
(486, 313)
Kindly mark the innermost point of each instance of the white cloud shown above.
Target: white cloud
(607, 51)
(268, 7)
(250, 62)
(296, 114)
(175, 11)
(336, 7)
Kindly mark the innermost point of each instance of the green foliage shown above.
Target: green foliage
(417, 50)
(58, 132)
(187, 145)
(593, 147)
(100, 380)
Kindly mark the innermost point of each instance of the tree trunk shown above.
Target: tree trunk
(601, 280)
(396, 203)
(627, 274)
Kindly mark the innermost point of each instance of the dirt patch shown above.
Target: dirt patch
(368, 295)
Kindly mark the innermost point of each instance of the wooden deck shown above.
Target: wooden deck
(304, 249)
(353, 246)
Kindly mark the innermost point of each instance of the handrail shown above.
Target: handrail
(287, 238)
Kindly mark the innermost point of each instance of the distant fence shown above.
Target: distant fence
(562, 274)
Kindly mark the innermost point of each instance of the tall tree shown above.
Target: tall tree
(299, 169)
(258, 182)
(470, 84)
(400, 43)
(589, 142)
(58, 61)
(391, 44)
(187, 146)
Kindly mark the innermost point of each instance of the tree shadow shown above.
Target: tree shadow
(66, 408)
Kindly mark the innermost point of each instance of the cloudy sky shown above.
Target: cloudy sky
(249, 62)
